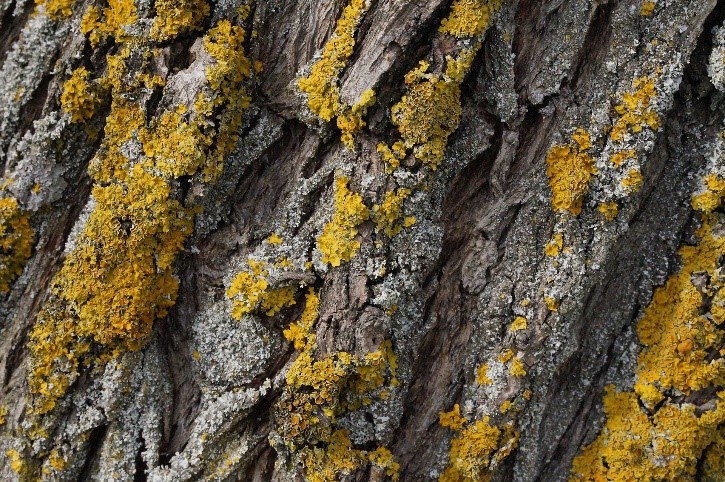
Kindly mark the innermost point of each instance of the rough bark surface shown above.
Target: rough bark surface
(424, 317)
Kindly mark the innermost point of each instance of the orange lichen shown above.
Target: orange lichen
(570, 169)
(635, 111)
(79, 97)
(337, 242)
(609, 210)
(16, 241)
(682, 333)
(477, 447)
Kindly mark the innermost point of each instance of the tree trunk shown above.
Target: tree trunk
(362, 240)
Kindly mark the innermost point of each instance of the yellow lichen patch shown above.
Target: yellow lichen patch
(350, 121)
(79, 97)
(609, 210)
(57, 9)
(321, 84)
(632, 182)
(570, 169)
(506, 355)
(647, 9)
(683, 335)
(505, 406)
(430, 111)
(619, 157)
(634, 112)
(469, 18)
(16, 462)
(249, 289)
(518, 324)
(274, 239)
(99, 24)
(476, 448)
(16, 241)
(319, 391)
(517, 368)
(119, 277)
(387, 216)
(337, 242)
(553, 247)
(482, 375)
(552, 304)
(177, 16)
(3, 414)
(712, 196)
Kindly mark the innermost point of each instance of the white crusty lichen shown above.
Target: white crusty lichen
(716, 65)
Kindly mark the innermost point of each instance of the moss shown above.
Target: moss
(476, 448)
(682, 337)
(609, 210)
(337, 242)
(320, 390)
(570, 169)
(79, 98)
(16, 241)
(177, 16)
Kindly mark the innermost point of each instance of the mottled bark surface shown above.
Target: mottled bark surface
(479, 243)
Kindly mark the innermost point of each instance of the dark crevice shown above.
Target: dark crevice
(595, 45)
(95, 442)
(140, 467)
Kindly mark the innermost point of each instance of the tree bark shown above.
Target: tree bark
(366, 240)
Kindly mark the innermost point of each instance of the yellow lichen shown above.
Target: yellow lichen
(712, 196)
(469, 18)
(647, 9)
(99, 24)
(632, 182)
(177, 16)
(553, 247)
(321, 84)
(79, 97)
(319, 391)
(505, 406)
(570, 169)
(119, 277)
(517, 368)
(57, 9)
(482, 375)
(518, 324)
(476, 448)
(16, 241)
(682, 333)
(3, 414)
(337, 242)
(619, 157)
(16, 461)
(635, 111)
(274, 239)
(388, 214)
(552, 304)
(609, 210)
(249, 289)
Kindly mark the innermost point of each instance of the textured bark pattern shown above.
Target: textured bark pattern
(201, 399)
